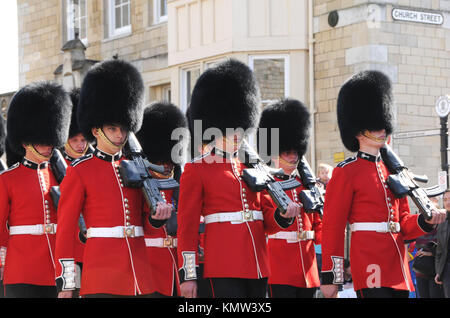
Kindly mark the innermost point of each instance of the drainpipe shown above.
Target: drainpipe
(312, 108)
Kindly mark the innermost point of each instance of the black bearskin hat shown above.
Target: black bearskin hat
(160, 120)
(74, 127)
(12, 157)
(364, 103)
(292, 119)
(2, 135)
(226, 96)
(112, 93)
(39, 113)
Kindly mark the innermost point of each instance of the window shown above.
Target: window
(188, 79)
(272, 75)
(76, 20)
(119, 17)
(159, 11)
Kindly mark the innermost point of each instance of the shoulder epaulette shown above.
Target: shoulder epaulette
(14, 166)
(346, 162)
(81, 159)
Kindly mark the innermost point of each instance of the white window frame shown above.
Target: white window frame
(113, 31)
(157, 17)
(183, 84)
(285, 57)
(71, 21)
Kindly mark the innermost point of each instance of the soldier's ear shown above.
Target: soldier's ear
(94, 132)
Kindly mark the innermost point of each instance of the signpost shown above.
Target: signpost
(443, 109)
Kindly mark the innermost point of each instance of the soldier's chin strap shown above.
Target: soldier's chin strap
(288, 164)
(109, 142)
(37, 153)
(367, 134)
(73, 153)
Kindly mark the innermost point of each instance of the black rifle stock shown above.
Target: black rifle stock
(259, 176)
(402, 182)
(59, 167)
(135, 174)
(312, 198)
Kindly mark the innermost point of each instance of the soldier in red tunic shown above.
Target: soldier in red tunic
(160, 147)
(236, 218)
(358, 193)
(38, 120)
(76, 147)
(115, 260)
(293, 265)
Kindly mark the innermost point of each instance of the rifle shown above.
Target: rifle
(402, 182)
(136, 175)
(312, 199)
(59, 167)
(259, 176)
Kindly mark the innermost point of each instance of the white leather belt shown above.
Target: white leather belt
(115, 232)
(37, 229)
(381, 227)
(161, 242)
(293, 236)
(234, 217)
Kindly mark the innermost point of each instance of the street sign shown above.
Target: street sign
(443, 106)
(442, 180)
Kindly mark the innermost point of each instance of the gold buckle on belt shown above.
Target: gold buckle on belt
(49, 228)
(128, 231)
(301, 235)
(168, 242)
(394, 227)
(248, 215)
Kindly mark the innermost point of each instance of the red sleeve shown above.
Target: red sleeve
(4, 215)
(317, 228)
(70, 204)
(410, 224)
(338, 201)
(190, 207)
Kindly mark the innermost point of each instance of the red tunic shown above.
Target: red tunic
(294, 263)
(211, 184)
(25, 200)
(357, 192)
(162, 260)
(110, 265)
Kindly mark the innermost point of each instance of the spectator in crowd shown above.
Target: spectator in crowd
(426, 246)
(324, 172)
(442, 262)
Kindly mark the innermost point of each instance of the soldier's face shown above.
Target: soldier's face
(78, 143)
(115, 133)
(373, 138)
(44, 150)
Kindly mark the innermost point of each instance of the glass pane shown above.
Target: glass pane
(163, 7)
(83, 8)
(117, 2)
(82, 28)
(191, 79)
(117, 18)
(126, 15)
(270, 76)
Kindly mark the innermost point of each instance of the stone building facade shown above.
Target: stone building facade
(414, 54)
(304, 49)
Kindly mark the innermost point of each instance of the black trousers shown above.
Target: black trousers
(238, 287)
(30, 291)
(287, 291)
(382, 292)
